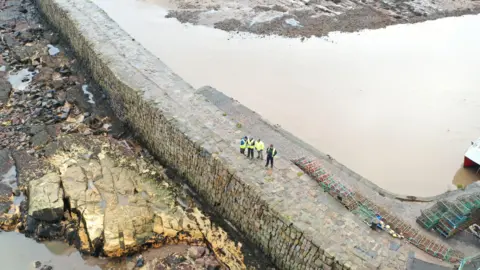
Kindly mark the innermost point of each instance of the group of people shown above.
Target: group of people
(251, 145)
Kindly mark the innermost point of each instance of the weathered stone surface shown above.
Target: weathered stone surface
(5, 202)
(29, 167)
(40, 138)
(24, 53)
(93, 214)
(75, 186)
(288, 216)
(5, 88)
(45, 198)
(6, 162)
(90, 193)
(126, 229)
(119, 207)
(105, 194)
(225, 250)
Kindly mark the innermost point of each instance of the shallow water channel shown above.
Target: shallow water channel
(19, 252)
(396, 105)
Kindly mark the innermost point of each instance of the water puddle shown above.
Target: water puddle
(122, 199)
(52, 50)
(10, 177)
(293, 22)
(102, 204)
(91, 186)
(396, 105)
(182, 202)
(20, 79)
(145, 195)
(88, 93)
(19, 252)
(17, 200)
(266, 16)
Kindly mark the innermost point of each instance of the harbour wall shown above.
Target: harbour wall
(282, 211)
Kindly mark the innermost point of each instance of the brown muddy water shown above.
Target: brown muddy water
(19, 252)
(397, 105)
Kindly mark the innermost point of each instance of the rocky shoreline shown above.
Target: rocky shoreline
(306, 18)
(70, 170)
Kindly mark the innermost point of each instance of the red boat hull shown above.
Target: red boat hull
(468, 163)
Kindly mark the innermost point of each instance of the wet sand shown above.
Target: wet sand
(305, 18)
(396, 105)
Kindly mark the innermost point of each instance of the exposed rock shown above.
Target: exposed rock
(83, 242)
(5, 201)
(180, 261)
(31, 225)
(29, 167)
(45, 198)
(120, 208)
(25, 53)
(44, 76)
(10, 41)
(53, 38)
(5, 89)
(8, 222)
(226, 251)
(40, 139)
(126, 229)
(16, 192)
(26, 37)
(35, 129)
(196, 252)
(6, 162)
(7, 180)
(48, 231)
(54, 61)
(75, 185)
(22, 9)
(91, 191)
(75, 95)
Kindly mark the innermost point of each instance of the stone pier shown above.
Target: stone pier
(283, 211)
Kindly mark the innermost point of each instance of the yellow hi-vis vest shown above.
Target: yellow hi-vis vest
(259, 145)
(251, 144)
(244, 145)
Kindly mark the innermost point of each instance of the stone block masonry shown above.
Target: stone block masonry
(283, 212)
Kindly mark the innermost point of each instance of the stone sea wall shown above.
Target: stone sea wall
(193, 136)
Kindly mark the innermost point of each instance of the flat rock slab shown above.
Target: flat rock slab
(5, 88)
(5, 201)
(116, 205)
(46, 198)
(6, 161)
(127, 228)
(29, 167)
(93, 215)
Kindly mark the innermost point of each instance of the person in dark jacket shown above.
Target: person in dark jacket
(271, 153)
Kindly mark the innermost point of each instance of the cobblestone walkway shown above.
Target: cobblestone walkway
(368, 246)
